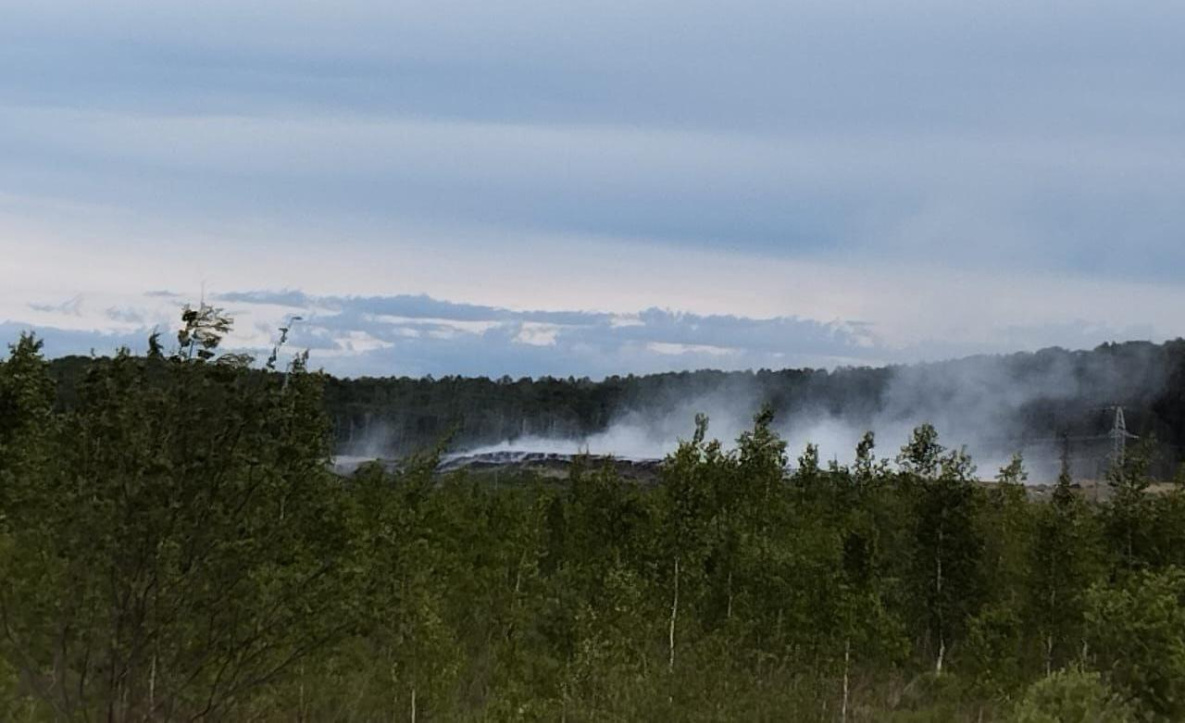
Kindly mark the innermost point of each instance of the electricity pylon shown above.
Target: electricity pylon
(1119, 436)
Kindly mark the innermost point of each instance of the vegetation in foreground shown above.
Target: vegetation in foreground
(173, 547)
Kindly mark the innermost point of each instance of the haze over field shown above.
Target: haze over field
(528, 188)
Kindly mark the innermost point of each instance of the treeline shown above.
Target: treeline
(172, 547)
(1027, 397)
(1030, 396)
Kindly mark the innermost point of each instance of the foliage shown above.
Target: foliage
(1137, 632)
(1072, 696)
(182, 544)
(174, 546)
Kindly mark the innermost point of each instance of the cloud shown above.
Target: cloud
(1012, 195)
(1040, 136)
(810, 181)
(63, 342)
(416, 335)
(71, 306)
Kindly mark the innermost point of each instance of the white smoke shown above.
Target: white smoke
(979, 403)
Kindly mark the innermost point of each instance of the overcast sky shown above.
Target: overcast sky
(595, 187)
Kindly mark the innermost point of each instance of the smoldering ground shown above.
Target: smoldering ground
(1036, 404)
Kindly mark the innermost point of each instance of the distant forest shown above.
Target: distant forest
(1028, 398)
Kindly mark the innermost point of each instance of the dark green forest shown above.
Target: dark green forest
(1061, 394)
(1032, 402)
(174, 546)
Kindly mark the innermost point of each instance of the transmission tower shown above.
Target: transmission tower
(1119, 436)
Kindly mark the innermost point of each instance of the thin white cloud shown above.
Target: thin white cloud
(537, 334)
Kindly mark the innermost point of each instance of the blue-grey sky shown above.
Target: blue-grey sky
(593, 188)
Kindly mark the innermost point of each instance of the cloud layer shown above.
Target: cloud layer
(944, 177)
(417, 335)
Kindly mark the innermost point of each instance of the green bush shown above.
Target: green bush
(1137, 629)
(1072, 696)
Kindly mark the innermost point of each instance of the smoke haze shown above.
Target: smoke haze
(994, 406)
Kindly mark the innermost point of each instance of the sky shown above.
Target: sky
(594, 188)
